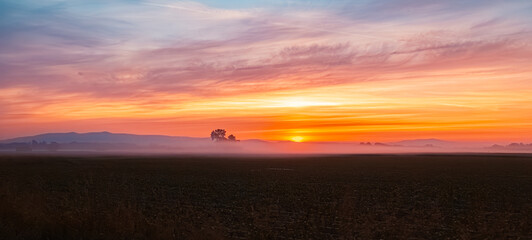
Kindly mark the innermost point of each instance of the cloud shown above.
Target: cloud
(201, 10)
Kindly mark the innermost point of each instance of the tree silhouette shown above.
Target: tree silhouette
(231, 138)
(218, 135)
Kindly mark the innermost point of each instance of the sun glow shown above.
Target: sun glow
(297, 139)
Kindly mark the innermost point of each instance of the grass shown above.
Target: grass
(322, 197)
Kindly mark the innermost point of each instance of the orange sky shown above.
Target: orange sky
(312, 73)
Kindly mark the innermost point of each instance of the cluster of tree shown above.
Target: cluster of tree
(72, 146)
(218, 135)
(377, 144)
(514, 146)
(33, 145)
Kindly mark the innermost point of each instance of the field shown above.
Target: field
(239, 197)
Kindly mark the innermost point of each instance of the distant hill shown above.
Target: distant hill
(106, 137)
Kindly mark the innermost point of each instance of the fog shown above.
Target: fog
(249, 147)
(105, 142)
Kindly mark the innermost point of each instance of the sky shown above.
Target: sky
(367, 70)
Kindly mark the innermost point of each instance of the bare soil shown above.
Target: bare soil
(257, 197)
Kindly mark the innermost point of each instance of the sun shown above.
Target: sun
(297, 139)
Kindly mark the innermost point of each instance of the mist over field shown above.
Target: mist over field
(124, 143)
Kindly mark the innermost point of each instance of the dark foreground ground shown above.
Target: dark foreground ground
(334, 197)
